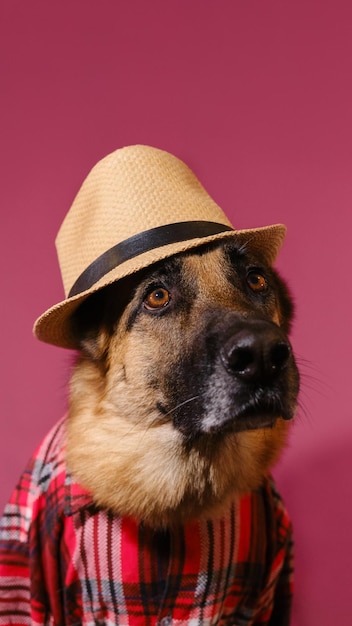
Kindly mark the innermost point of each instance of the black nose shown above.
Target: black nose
(256, 351)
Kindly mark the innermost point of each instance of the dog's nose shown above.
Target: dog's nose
(257, 351)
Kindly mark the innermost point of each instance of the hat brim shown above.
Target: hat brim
(54, 326)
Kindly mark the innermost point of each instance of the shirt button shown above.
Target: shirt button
(166, 621)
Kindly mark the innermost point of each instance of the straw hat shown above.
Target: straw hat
(137, 206)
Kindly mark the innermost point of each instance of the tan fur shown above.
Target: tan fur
(133, 460)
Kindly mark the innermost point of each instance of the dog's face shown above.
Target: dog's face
(185, 386)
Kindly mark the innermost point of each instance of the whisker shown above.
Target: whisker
(243, 248)
(178, 406)
(304, 414)
(157, 421)
(314, 383)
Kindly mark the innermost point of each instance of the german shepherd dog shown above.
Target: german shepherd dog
(151, 502)
(183, 393)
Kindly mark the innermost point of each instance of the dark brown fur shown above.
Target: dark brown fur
(157, 426)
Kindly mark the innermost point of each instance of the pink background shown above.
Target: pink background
(256, 95)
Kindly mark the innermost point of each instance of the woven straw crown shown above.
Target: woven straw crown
(137, 206)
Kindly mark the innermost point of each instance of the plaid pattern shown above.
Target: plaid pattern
(63, 561)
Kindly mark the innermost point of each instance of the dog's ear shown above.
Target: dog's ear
(285, 302)
(94, 322)
(91, 328)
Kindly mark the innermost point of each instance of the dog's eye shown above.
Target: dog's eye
(256, 281)
(157, 299)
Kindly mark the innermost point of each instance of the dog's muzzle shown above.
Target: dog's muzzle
(242, 375)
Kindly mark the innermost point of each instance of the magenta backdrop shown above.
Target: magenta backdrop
(256, 95)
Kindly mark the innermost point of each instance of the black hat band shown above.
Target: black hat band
(140, 243)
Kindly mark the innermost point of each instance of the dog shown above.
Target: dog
(198, 368)
(180, 402)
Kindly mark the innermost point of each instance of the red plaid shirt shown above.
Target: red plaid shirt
(64, 561)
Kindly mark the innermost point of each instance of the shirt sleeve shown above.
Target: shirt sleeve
(18, 558)
(29, 532)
